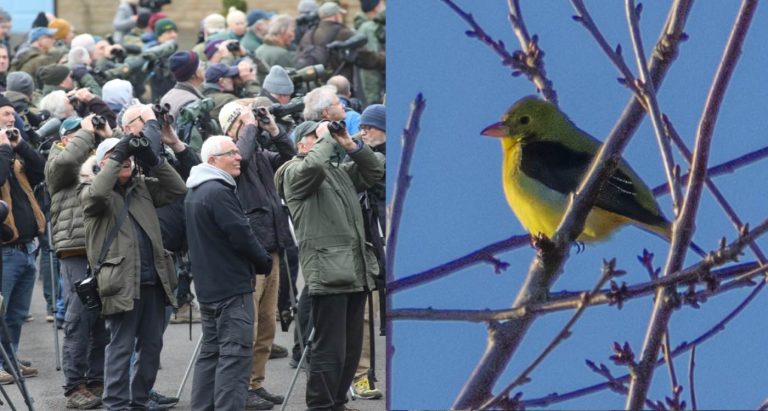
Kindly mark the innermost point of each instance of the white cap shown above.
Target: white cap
(105, 146)
(229, 113)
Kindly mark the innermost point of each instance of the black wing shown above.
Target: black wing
(562, 169)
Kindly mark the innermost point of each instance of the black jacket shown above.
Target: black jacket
(256, 187)
(22, 209)
(223, 250)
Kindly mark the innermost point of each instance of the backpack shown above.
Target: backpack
(312, 53)
(194, 123)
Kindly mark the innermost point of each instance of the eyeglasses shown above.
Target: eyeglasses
(134, 119)
(230, 153)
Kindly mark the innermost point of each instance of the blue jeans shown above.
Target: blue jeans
(18, 283)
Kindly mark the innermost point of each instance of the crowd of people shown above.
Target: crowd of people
(150, 185)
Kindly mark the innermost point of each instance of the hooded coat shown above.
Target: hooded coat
(223, 249)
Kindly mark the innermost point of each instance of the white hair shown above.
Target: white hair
(212, 146)
(85, 41)
(56, 103)
(78, 55)
(279, 25)
(234, 15)
(318, 100)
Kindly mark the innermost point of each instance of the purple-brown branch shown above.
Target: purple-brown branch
(684, 225)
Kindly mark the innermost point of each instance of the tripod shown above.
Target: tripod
(304, 353)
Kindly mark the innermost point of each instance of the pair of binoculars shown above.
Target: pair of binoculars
(337, 127)
(138, 141)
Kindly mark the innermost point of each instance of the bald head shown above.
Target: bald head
(342, 85)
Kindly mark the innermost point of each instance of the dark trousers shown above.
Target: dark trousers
(141, 327)
(303, 322)
(50, 290)
(85, 335)
(223, 368)
(292, 263)
(336, 347)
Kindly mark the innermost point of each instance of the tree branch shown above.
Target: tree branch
(691, 366)
(684, 225)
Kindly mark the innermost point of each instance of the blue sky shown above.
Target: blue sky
(456, 205)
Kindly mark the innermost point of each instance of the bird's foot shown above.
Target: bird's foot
(580, 246)
(542, 243)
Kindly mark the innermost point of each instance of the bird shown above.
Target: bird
(545, 157)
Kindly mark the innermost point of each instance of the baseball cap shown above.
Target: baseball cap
(216, 71)
(38, 32)
(69, 125)
(105, 146)
(303, 129)
(330, 9)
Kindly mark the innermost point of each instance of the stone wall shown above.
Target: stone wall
(95, 16)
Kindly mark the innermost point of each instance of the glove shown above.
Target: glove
(79, 71)
(146, 157)
(122, 149)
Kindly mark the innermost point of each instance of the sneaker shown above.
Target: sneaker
(162, 399)
(182, 315)
(255, 402)
(82, 399)
(152, 405)
(27, 372)
(263, 393)
(361, 388)
(29, 318)
(278, 351)
(97, 389)
(6, 378)
(49, 318)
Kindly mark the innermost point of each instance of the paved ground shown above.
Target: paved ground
(37, 346)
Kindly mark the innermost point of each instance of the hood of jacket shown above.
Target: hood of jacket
(201, 173)
(88, 170)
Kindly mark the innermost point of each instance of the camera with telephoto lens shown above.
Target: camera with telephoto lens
(356, 41)
(88, 291)
(309, 20)
(307, 74)
(162, 113)
(117, 53)
(337, 127)
(12, 134)
(138, 141)
(292, 108)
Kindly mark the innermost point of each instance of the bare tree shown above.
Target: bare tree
(672, 285)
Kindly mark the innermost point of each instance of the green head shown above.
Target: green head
(530, 118)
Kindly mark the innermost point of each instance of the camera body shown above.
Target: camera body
(88, 291)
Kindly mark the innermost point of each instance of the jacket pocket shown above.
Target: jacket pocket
(170, 266)
(108, 277)
(371, 262)
(335, 266)
(263, 225)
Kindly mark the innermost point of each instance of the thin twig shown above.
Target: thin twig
(691, 385)
(483, 255)
(609, 272)
(648, 93)
(685, 347)
(528, 61)
(684, 225)
(403, 181)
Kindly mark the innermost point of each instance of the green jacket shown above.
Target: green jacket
(61, 177)
(102, 200)
(372, 81)
(251, 41)
(274, 55)
(30, 61)
(322, 198)
(219, 98)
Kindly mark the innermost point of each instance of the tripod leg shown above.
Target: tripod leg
(372, 338)
(298, 370)
(294, 301)
(10, 360)
(54, 286)
(191, 364)
(7, 399)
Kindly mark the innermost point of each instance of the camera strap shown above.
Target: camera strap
(114, 231)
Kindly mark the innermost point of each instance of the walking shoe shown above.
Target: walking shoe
(162, 399)
(6, 378)
(182, 315)
(25, 363)
(49, 318)
(152, 405)
(82, 399)
(29, 318)
(263, 393)
(255, 402)
(361, 388)
(97, 389)
(27, 372)
(278, 351)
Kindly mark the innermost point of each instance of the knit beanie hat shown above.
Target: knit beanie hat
(62, 28)
(163, 25)
(368, 5)
(53, 74)
(211, 47)
(154, 19)
(229, 113)
(20, 82)
(183, 64)
(214, 23)
(5, 102)
(40, 21)
(375, 116)
(278, 82)
(256, 15)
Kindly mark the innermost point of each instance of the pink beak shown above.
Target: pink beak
(494, 130)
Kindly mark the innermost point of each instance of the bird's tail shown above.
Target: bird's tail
(665, 231)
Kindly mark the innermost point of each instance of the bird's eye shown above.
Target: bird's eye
(525, 120)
